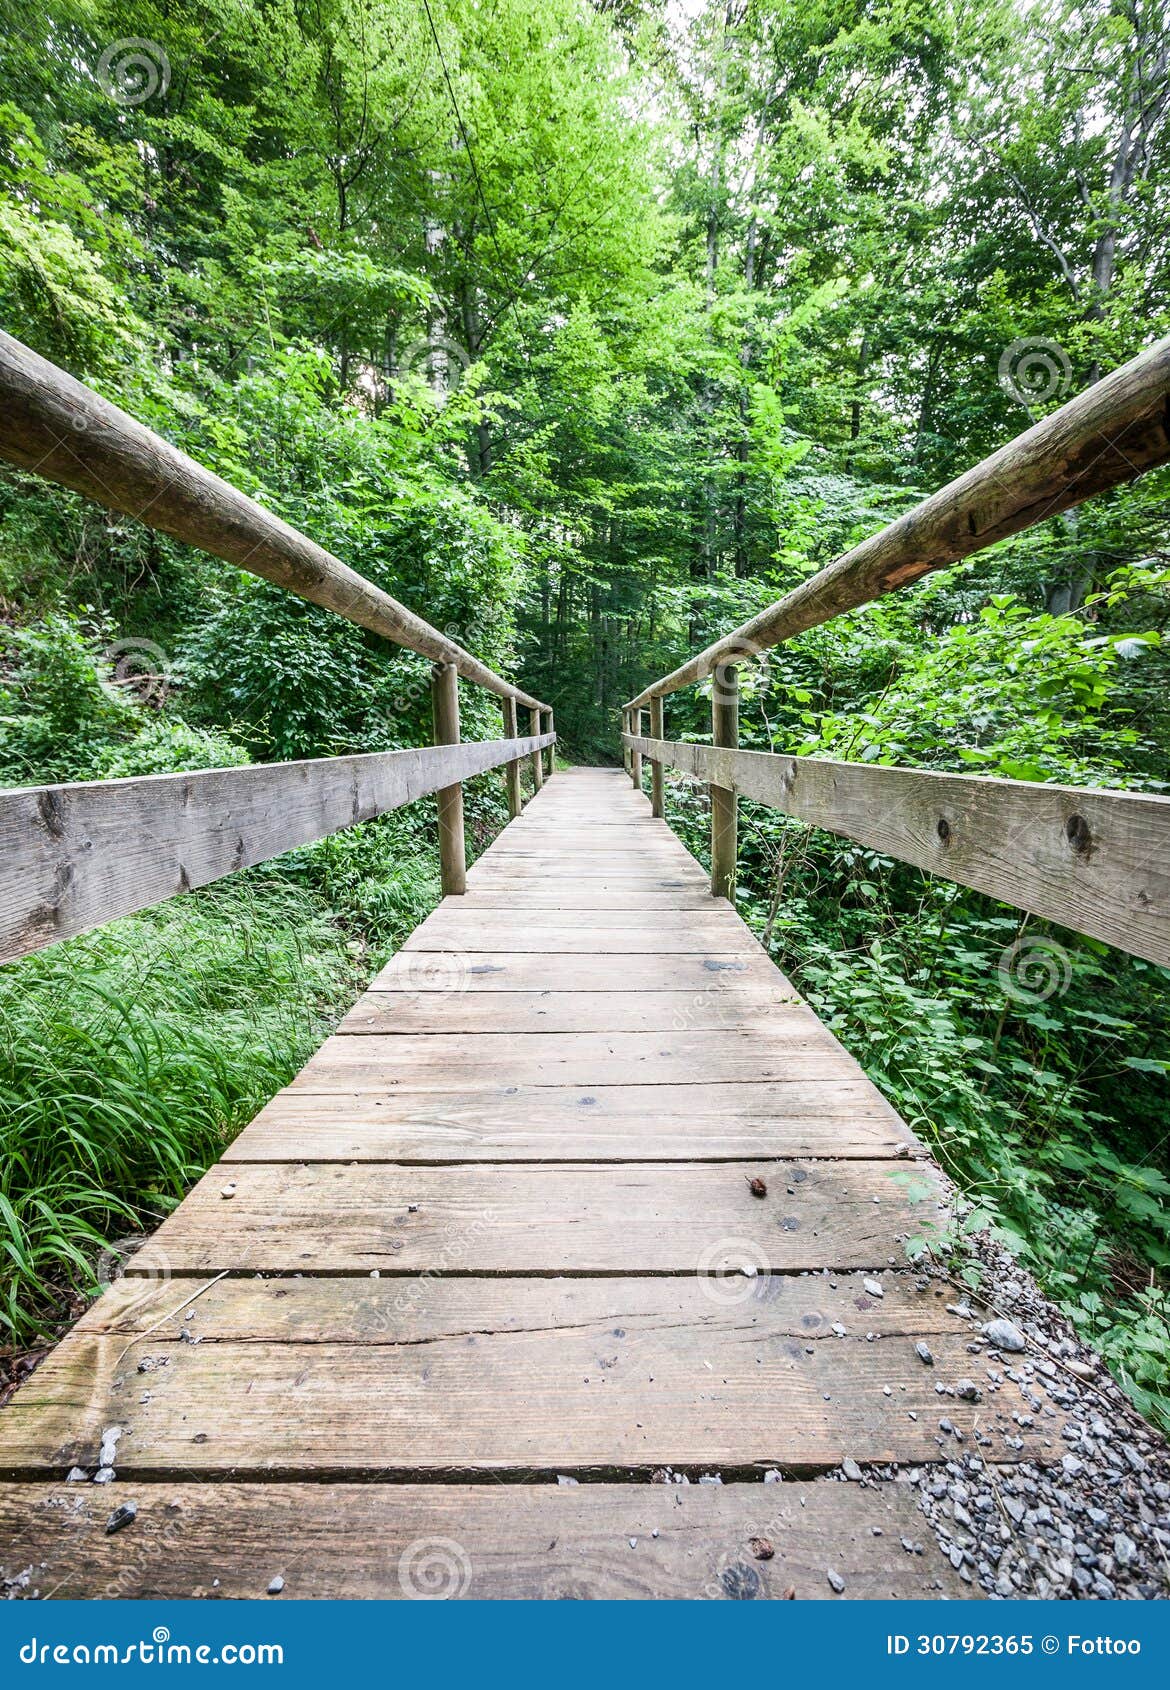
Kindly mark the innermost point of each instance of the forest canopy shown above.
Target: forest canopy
(588, 330)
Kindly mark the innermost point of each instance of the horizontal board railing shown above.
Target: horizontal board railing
(76, 855)
(1095, 860)
(1102, 438)
(65, 432)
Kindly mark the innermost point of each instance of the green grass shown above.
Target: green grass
(129, 1057)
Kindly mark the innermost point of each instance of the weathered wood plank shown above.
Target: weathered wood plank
(538, 894)
(655, 860)
(493, 869)
(404, 1394)
(482, 1542)
(524, 971)
(619, 810)
(1102, 438)
(843, 1119)
(376, 1062)
(1095, 861)
(498, 931)
(383, 1311)
(374, 1379)
(572, 1218)
(402, 1012)
(46, 413)
(76, 855)
(702, 919)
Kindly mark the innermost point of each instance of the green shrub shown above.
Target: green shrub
(128, 1059)
(58, 710)
(164, 745)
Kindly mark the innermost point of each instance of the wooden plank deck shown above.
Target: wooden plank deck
(500, 1234)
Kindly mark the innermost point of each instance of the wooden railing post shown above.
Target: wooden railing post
(657, 731)
(534, 717)
(636, 756)
(452, 850)
(724, 804)
(552, 750)
(512, 770)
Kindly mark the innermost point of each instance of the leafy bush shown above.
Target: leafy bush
(65, 714)
(1013, 692)
(58, 711)
(164, 745)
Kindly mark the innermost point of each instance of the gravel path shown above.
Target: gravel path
(1095, 1523)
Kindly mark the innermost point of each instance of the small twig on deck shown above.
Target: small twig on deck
(138, 1338)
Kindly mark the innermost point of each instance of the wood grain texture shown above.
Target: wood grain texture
(377, 1380)
(553, 935)
(724, 804)
(481, 1542)
(570, 1218)
(377, 1063)
(840, 1119)
(537, 759)
(1095, 861)
(63, 431)
(512, 769)
(1104, 437)
(538, 894)
(532, 856)
(695, 916)
(698, 973)
(577, 1012)
(529, 869)
(299, 1311)
(657, 731)
(76, 855)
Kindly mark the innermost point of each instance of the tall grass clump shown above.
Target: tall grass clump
(129, 1057)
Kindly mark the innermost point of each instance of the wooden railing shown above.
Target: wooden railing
(1097, 861)
(77, 854)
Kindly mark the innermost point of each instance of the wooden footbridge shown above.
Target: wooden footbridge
(574, 1263)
